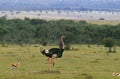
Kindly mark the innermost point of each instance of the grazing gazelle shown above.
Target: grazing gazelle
(116, 74)
(53, 53)
(16, 64)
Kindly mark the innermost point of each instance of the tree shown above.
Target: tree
(109, 42)
(37, 21)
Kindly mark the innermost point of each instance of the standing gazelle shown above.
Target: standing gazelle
(16, 64)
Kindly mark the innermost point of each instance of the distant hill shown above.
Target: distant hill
(59, 4)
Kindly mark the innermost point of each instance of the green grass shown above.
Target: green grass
(103, 22)
(84, 63)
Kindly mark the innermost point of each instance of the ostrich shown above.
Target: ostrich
(53, 53)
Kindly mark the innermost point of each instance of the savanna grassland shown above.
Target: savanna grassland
(83, 62)
(103, 22)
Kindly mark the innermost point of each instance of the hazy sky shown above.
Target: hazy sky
(61, 1)
(102, 4)
(53, 0)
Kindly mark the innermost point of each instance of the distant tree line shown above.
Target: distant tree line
(38, 31)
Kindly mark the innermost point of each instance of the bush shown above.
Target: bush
(109, 42)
